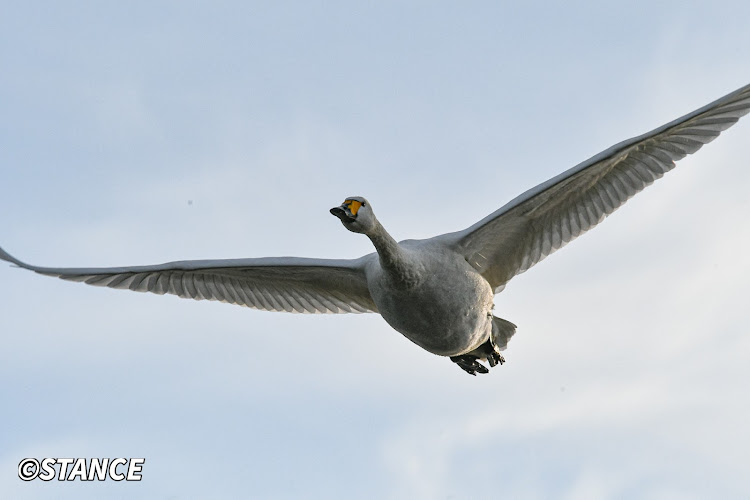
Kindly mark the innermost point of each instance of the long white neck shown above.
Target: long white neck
(393, 259)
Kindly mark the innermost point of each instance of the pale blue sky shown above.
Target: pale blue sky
(629, 375)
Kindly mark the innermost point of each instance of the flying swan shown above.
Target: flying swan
(437, 292)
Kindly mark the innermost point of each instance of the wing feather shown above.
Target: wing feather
(551, 215)
(274, 284)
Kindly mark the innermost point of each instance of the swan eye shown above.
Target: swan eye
(353, 206)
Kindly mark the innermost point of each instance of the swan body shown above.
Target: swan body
(437, 292)
(449, 303)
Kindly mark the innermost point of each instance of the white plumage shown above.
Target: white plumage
(438, 292)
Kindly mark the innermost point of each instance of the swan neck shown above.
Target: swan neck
(392, 257)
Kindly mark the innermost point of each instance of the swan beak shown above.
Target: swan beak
(342, 213)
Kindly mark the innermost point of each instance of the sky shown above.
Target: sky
(146, 132)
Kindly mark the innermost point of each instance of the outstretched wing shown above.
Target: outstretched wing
(272, 284)
(547, 217)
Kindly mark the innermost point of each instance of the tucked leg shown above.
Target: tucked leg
(494, 357)
(502, 331)
(469, 364)
(489, 351)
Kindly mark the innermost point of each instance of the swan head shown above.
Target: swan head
(356, 214)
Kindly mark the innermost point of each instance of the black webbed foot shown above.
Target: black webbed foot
(495, 358)
(493, 354)
(469, 364)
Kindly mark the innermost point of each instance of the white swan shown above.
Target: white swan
(437, 292)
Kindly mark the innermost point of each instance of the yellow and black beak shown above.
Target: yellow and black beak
(347, 212)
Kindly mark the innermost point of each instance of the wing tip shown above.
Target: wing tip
(9, 258)
(19, 263)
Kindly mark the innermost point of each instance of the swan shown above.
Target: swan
(437, 292)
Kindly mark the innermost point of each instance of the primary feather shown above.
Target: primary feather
(552, 214)
(273, 284)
